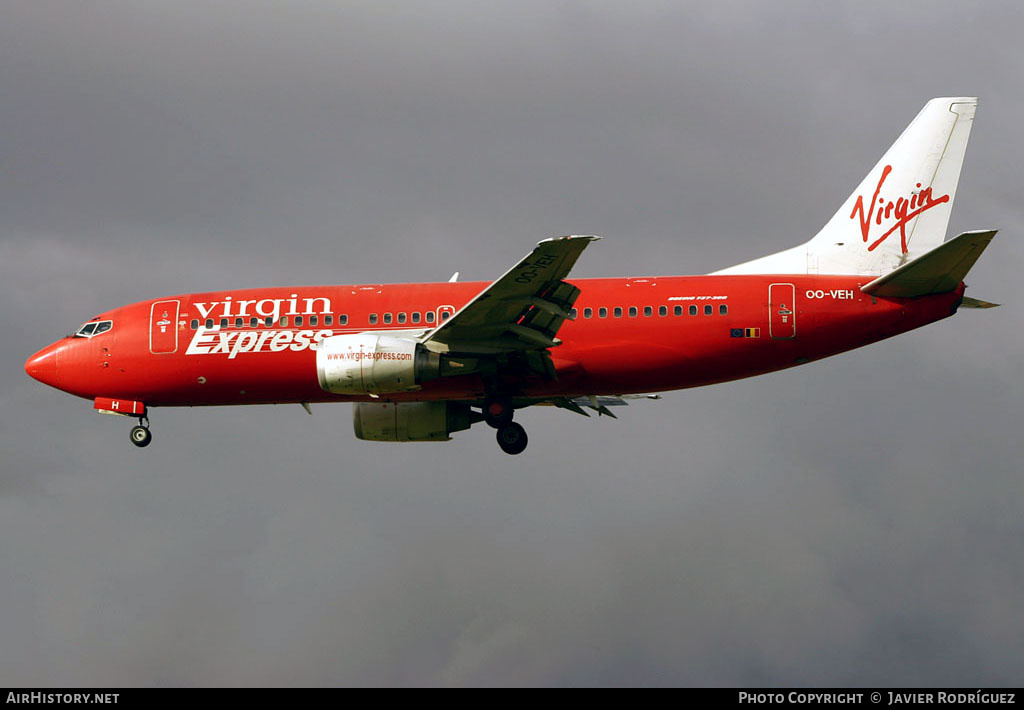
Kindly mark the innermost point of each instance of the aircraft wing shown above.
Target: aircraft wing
(522, 310)
(599, 403)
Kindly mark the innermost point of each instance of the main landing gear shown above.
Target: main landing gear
(141, 435)
(511, 437)
(498, 412)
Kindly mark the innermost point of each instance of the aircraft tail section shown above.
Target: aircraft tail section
(900, 210)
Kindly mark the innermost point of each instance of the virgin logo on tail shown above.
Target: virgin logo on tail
(902, 211)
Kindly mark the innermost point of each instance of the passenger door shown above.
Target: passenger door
(782, 311)
(163, 327)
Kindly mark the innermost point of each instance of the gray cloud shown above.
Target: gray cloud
(855, 521)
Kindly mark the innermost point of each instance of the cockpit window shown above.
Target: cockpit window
(94, 328)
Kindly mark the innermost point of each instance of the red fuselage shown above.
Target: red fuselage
(671, 333)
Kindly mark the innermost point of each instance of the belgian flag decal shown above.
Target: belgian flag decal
(744, 332)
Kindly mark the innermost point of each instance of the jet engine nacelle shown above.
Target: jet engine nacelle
(409, 421)
(369, 363)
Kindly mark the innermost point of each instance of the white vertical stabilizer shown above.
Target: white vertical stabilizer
(901, 209)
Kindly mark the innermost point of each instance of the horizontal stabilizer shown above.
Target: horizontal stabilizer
(938, 271)
(969, 302)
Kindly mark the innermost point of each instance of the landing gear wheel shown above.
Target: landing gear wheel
(498, 412)
(512, 439)
(141, 436)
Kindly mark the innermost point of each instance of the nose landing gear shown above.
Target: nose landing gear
(141, 435)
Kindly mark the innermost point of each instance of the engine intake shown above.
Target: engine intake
(409, 421)
(369, 363)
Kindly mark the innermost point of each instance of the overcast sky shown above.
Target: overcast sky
(856, 521)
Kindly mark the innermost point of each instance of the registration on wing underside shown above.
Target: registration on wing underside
(522, 310)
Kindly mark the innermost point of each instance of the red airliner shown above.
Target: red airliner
(421, 361)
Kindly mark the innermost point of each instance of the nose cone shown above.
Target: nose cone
(43, 365)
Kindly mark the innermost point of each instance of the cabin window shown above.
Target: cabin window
(194, 325)
(373, 319)
(268, 321)
(284, 321)
(253, 322)
(648, 311)
(572, 313)
(723, 309)
(430, 316)
(677, 310)
(632, 311)
(588, 312)
(446, 315)
(328, 319)
(708, 310)
(401, 317)
(298, 321)
(313, 320)
(209, 322)
(618, 311)
(342, 318)
(662, 310)
(223, 322)
(387, 318)
(238, 322)
(415, 316)
(602, 312)
(693, 310)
